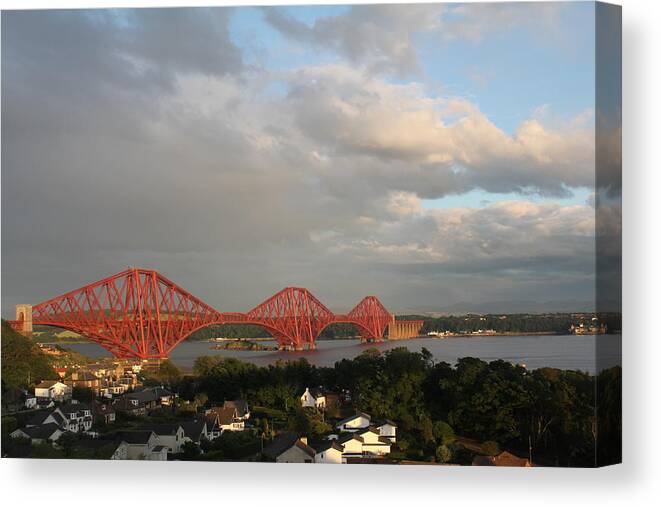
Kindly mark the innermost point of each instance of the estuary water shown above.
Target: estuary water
(568, 352)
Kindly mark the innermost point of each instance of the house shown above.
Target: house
(387, 429)
(356, 422)
(46, 417)
(213, 428)
(352, 446)
(241, 406)
(195, 431)
(365, 443)
(504, 459)
(227, 418)
(142, 445)
(328, 452)
(289, 448)
(45, 403)
(44, 433)
(110, 389)
(53, 389)
(152, 397)
(170, 435)
(77, 416)
(83, 379)
(360, 421)
(373, 443)
(30, 401)
(103, 412)
(129, 406)
(313, 398)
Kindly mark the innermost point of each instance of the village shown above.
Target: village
(114, 410)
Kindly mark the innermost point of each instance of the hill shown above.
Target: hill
(23, 363)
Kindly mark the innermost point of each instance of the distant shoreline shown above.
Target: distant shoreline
(342, 338)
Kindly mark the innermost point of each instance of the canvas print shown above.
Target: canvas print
(350, 234)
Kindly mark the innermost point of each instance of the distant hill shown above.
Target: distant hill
(505, 307)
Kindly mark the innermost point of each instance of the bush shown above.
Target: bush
(443, 454)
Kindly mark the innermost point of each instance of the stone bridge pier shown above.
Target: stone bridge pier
(404, 329)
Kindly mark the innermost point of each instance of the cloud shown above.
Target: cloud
(93, 51)
(352, 113)
(379, 35)
(121, 146)
(516, 237)
(382, 37)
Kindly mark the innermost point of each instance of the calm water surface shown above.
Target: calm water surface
(566, 352)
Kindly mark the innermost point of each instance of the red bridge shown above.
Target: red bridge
(139, 313)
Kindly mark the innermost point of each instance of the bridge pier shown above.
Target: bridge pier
(23, 322)
(404, 329)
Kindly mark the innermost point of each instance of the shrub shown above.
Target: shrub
(443, 454)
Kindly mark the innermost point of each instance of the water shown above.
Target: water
(568, 352)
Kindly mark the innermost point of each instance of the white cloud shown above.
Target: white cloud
(352, 113)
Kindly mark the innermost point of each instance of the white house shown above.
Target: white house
(373, 443)
(313, 398)
(77, 417)
(329, 452)
(356, 422)
(172, 436)
(31, 401)
(387, 429)
(241, 407)
(227, 418)
(53, 389)
(122, 452)
(352, 446)
(141, 445)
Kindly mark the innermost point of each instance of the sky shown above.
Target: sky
(433, 155)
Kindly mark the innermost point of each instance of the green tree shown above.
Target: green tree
(168, 372)
(443, 432)
(443, 454)
(427, 429)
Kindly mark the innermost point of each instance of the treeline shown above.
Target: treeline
(334, 331)
(547, 412)
(559, 323)
(514, 323)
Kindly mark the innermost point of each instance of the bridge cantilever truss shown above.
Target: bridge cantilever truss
(139, 313)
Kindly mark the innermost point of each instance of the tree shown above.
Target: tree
(189, 451)
(168, 372)
(427, 429)
(443, 454)
(23, 363)
(200, 400)
(443, 432)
